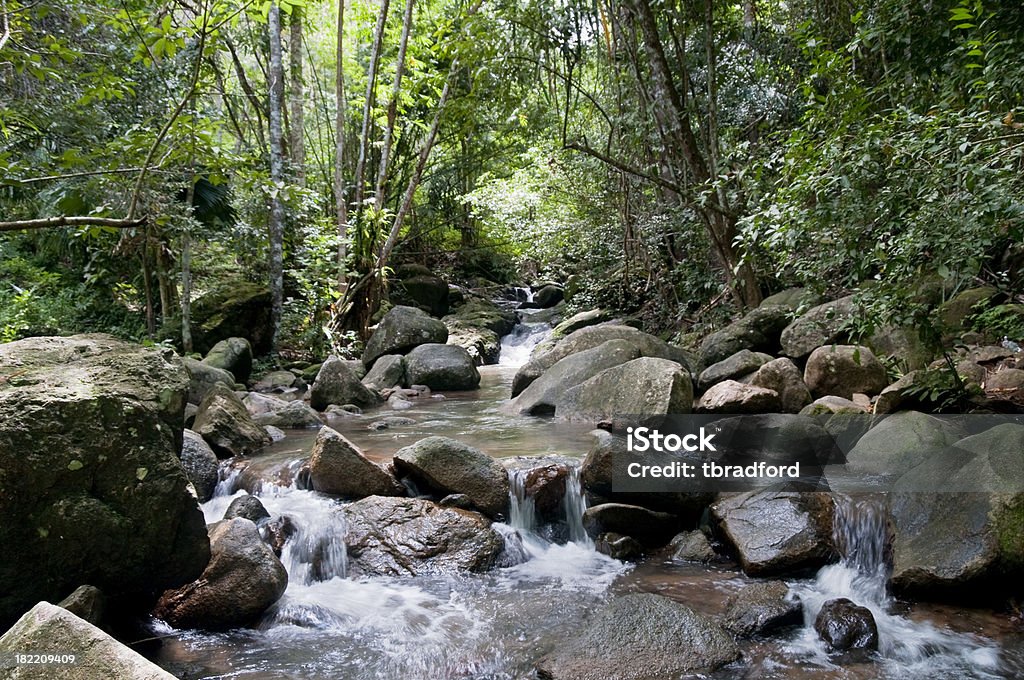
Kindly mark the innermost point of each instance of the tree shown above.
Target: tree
(275, 225)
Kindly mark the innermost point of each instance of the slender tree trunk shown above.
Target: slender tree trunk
(389, 133)
(340, 204)
(367, 124)
(186, 284)
(297, 144)
(275, 76)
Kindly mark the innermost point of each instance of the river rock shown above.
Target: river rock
(257, 403)
(247, 507)
(442, 367)
(777, 532)
(424, 291)
(638, 637)
(541, 396)
(234, 309)
(200, 464)
(738, 365)
(845, 626)
(87, 603)
(402, 329)
(544, 480)
(900, 442)
(448, 466)
(226, 425)
(760, 608)
(202, 378)
(388, 371)
(618, 546)
(243, 579)
(652, 529)
(844, 370)
(821, 325)
(730, 396)
(277, 382)
(692, 546)
(575, 322)
(757, 331)
(832, 405)
(49, 629)
(233, 355)
(548, 296)
(783, 377)
(638, 391)
(478, 326)
(294, 414)
(91, 485)
(409, 536)
(336, 383)
(339, 467)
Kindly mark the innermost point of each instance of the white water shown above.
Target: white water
(517, 346)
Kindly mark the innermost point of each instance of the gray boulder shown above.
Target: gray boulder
(338, 467)
(832, 405)
(548, 296)
(390, 536)
(575, 322)
(900, 442)
(844, 370)
(821, 325)
(424, 291)
(87, 603)
(637, 637)
(447, 466)
(402, 329)
(782, 376)
(233, 355)
(692, 546)
(845, 626)
(441, 367)
(740, 364)
(652, 529)
(200, 464)
(731, 397)
(477, 326)
(637, 391)
(47, 629)
(293, 414)
(277, 382)
(757, 331)
(203, 377)
(247, 507)
(760, 608)
(337, 384)
(226, 425)
(388, 371)
(793, 299)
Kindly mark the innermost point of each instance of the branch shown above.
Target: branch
(64, 221)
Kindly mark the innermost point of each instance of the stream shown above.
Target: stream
(496, 625)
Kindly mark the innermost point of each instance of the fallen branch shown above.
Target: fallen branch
(65, 221)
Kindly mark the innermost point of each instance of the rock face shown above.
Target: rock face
(735, 367)
(243, 579)
(233, 355)
(91, 486)
(777, 532)
(821, 325)
(410, 536)
(760, 608)
(844, 370)
(845, 626)
(48, 629)
(202, 379)
(650, 528)
(783, 377)
(402, 329)
(200, 463)
(424, 291)
(388, 371)
(639, 637)
(757, 331)
(337, 384)
(338, 467)
(442, 367)
(634, 392)
(226, 425)
(448, 466)
(730, 396)
(900, 442)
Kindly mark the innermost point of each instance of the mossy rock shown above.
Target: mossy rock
(238, 309)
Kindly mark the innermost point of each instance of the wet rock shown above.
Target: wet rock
(730, 396)
(424, 291)
(783, 377)
(91, 484)
(618, 546)
(740, 364)
(48, 629)
(235, 309)
(389, 422)
(652, 529)
(226, 425)
(294, 415)
(397, 403)
(339, 467)
(456, 500)
(845, 626)
(233, 355)
(276, 433)
(757, 331)
(410, 536)
(442, 367)
(387, 371)
(831, 405)
(247, 507)
(548, 296)
(635, 392)
(574, 323)
(200, 464)
(544, 481)
(448, 466)
(821, 325)
(336, 383)
(87, 603)
(900, 442)
(277, 532)
(277, 382)
(843, 370)
(777, 532)
(402, 329)
(692, 546)
(343, 411)
(477, 326)
(760, 608)
(640, 636)
(243, 579)
(202, 379)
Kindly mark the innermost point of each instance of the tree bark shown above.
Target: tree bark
(297, 144)
(371, 86)
(275, 224)
(340, 203)
(389, 132)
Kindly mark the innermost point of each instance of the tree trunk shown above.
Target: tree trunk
(389, 132)
(367, 124)
(340, 204)
(275, 77)
(297, 144)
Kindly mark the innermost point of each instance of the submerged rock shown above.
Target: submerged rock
(448, 466)
(760, 608)
(226, 425)
(402, 329)
(845, 626)
(339, 467)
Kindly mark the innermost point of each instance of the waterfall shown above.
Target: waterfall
(521, 507)
(522, 512)
(574, 504)
(517, 346)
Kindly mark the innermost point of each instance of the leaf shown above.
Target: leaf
(75, 465)
(140, 473)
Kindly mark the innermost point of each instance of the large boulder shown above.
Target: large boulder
(447, 466)
(337, 384)
(541, 396)
(845, 626)
(226, 425)
(91, 486)
(651, 528)
(337, 466)
(575, 322)
(639, 637)
(233, 355)
(247, 507)
(729, 397)
(424, 291)
(783, 376)
(238, 309)
(900, 442)
(821, 325)
(548, 296)
(388, 371)
(478, 326)
(738, 365)
(390, 536)
(844, 370)
(955, 312)
(760, 608)
(757, 331)
(47, 629)
(243, 579)
(777, 532)
(637, 391)
(441, 367)
(202, 379)
(200, 464)
(293, 414)
(402, 329)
